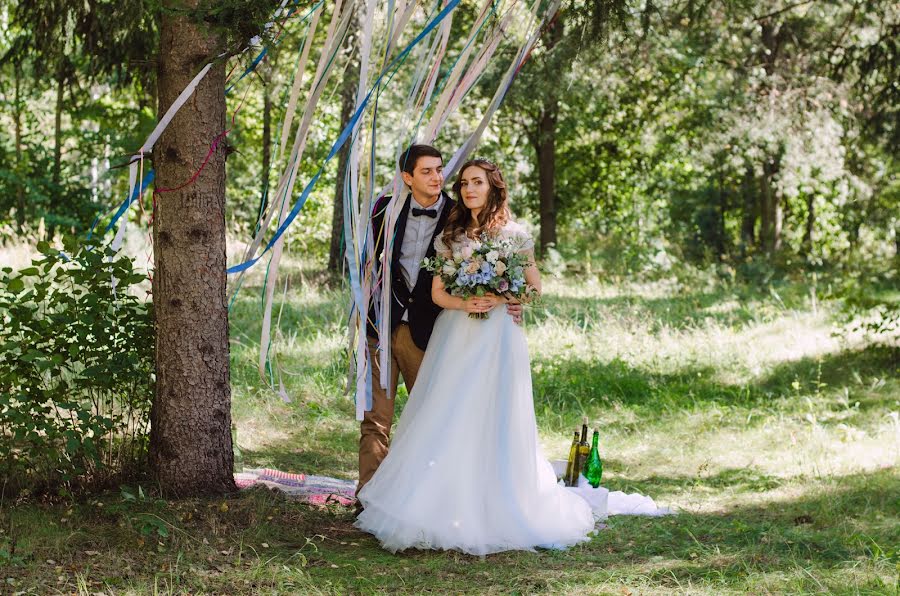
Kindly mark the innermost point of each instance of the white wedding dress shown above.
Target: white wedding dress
(465, 469)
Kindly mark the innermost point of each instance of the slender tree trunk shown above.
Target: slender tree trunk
(720, 216)
(750, 210)
(17, 125)
(348, 103)
(190, 439)
(57, 131)
(771, 216)
(544, 140)
(777, 219)
(546, 156)
(810, 224)
(266, 139)
(771, 33)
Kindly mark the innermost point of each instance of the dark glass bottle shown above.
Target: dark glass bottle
(571, 476)
(593, 467)
(584, 449)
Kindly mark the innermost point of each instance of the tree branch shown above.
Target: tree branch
(782, 10)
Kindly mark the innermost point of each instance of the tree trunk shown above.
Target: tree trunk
(544, 141)
(546, 156)
(750, 210)
(771, 212)
(266, 142)
(348, 103)
(810, 224)
(721, 201)
(57, 132)
(771, 33)
(17, 125)
(190, 439)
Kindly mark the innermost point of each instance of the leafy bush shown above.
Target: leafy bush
(76, 369)
(871, 306)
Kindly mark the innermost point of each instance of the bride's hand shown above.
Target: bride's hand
(494, 299)
(477, 304)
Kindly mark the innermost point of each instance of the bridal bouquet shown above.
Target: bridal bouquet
(488, 265)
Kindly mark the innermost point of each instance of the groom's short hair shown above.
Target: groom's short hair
(411, 155)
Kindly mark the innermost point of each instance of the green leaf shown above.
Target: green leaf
(15, 285)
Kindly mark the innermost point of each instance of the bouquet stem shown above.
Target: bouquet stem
(478, 315)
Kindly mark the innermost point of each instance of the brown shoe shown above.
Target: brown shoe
(357, 508)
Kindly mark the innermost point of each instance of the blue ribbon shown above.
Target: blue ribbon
(249, 69)
(150, 174)
(343, 139)
(148, 178)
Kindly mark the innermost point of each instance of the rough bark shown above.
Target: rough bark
(190, 440)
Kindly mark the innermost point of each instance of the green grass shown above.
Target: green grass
(776, 440)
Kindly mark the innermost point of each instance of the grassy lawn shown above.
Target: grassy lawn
(777, 441)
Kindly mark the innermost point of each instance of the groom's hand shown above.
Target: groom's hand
(515, 311)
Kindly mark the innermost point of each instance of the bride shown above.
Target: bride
(465, 470)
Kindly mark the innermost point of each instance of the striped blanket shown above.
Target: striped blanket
(318, 490)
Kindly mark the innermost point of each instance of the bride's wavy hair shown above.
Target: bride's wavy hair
(495, 213)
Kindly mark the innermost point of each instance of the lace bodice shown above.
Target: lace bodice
(512, 230)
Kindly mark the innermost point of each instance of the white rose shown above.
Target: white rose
(449, 268)
(492, 256)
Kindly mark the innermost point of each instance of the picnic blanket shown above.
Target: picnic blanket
(323, 490)
(317, 490)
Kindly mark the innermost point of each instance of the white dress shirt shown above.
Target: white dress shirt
(416, 240)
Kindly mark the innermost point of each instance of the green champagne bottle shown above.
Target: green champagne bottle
(570, 476)
(593, 468)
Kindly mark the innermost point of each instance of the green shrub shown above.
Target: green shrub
(76, 370)
(871, 305)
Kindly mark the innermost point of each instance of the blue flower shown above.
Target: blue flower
(487, 268)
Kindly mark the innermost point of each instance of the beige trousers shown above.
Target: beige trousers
(375, 429)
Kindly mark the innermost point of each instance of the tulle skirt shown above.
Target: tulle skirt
(465, 469)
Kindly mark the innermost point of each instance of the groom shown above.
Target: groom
(412, 313)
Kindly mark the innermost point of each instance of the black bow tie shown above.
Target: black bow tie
(432, 213)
